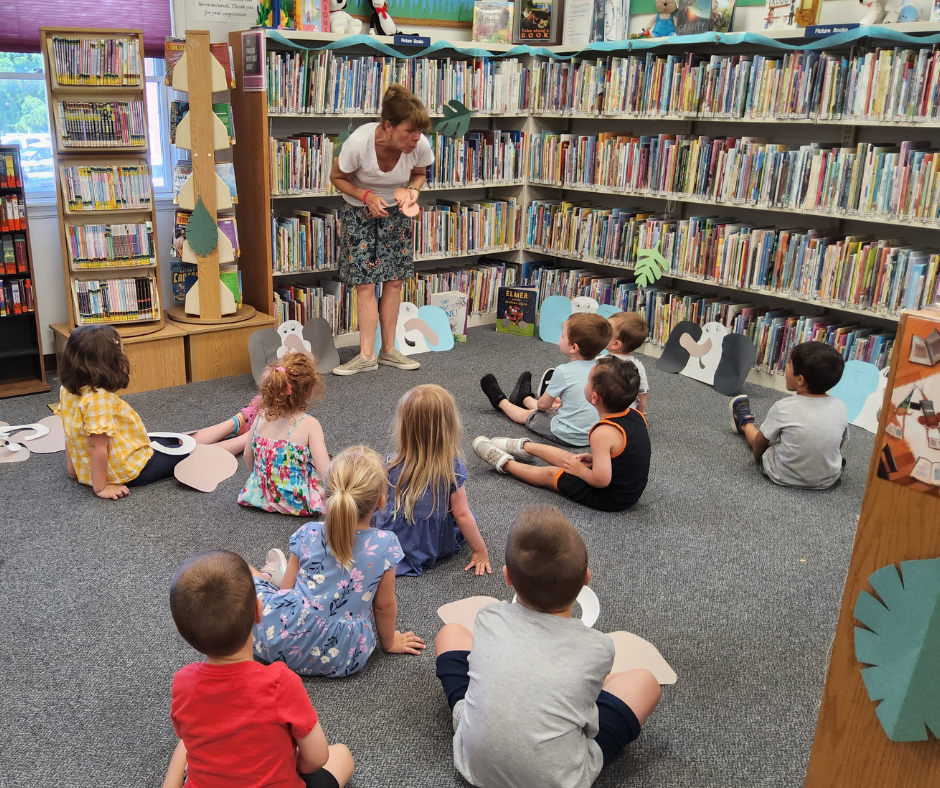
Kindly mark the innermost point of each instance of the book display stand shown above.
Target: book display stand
(897, 527)
(209, 301)
(96, 90)
(21, 364)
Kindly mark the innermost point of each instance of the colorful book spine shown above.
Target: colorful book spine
(102, 124)
(112, 62)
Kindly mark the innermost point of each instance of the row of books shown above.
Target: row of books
(10, 168)
(889, 182)
(185, 275)
(317, 82)
(773, 330)
(116, 300)
(488, 157)
(107, 188)
(302, 163)
(894, 84)
(97, 61)
(102, 124)
(12, 213)
(224, 169)
(173, 51)
(16, 297)
(110, 245)
(336, 302)
(226, 224)
(451, 227)
(306, 241)
(880, 276)
(15, 259)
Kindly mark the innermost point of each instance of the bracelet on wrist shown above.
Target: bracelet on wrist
(365, 195)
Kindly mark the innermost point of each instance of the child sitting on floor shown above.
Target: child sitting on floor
(583, 336)
(800, 442)
(106, 445)
(532, 697)
(426, 506)
(338, 591)
(287, 453)
(613, 476)
(629, 333)
(239, 722)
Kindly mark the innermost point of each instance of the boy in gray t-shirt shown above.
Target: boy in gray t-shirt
(800, 442)
(534, 702)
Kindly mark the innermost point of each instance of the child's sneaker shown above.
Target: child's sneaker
(245, 418)
(484, 449)
(740, 412)
(514, 447)
(275, 565)
(546, 379)
(522, 390)
(492, 390)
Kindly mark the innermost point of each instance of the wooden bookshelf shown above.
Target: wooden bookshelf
(121, 84)
(21, 362)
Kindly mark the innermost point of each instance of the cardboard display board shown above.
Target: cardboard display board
(709, 354)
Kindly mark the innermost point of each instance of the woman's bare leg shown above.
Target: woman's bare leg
(388, 312)
(367, 312)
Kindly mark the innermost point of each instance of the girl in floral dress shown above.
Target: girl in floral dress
(337, 595)
(287, 454)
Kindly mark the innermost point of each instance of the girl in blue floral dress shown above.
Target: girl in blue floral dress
(287, 453)
(337, 595)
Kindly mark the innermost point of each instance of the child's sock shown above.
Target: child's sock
(245, 418)
(492, 390)
(522, 389)
(740, 412)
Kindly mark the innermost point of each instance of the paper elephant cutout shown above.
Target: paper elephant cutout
(420, 330)
(265, 346)
(709, 354)
(555, 310)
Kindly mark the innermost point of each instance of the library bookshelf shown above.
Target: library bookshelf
(96, 88)
(21, 362)
(865, 104)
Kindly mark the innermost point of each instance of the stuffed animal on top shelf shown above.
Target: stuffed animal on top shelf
(664, 23)
(381, 23)
(894, 11)
(341, 22)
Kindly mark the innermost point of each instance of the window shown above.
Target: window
(24, 120)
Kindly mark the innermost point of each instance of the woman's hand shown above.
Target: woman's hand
(407, 643)
(406, 197)
(376, 205)
(479, 563)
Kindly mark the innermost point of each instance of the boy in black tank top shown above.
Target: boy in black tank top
(613, 476)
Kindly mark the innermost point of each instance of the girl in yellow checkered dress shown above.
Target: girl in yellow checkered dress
(106, 445)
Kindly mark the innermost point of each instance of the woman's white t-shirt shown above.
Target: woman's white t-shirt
(357, 157)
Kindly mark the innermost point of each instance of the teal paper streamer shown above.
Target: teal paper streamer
(640, 44)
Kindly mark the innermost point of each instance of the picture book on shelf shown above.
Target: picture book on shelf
(185, 275)
(616, 19)
(693, 16)
(781, 14)
(535, 21)
(454, 303)
(223, 111)
(722, 15)
(175, 47)
(492, 21)
(516, 308)
(314, 15)
(224, 169)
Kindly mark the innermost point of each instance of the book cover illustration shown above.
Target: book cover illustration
(693, 16)
(516, 308)
(454, 303)
(722, 15)
(492, 21)
(535, 21)
(781, 14)
(910, 455)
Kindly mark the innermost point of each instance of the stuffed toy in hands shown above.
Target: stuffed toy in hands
(341, 22)
(664, 23)
(381, 23)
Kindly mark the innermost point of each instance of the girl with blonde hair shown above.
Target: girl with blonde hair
(426, 506)
(338, 591)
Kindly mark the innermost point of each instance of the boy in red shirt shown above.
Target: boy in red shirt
(241, 724)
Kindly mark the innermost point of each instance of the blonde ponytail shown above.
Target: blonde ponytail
(355, 483)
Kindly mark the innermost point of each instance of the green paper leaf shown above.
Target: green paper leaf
(456, 120)
(650, 266)
(341, 139)
(202, 232)
(902, 644)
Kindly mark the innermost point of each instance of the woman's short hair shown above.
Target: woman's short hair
(400, 105)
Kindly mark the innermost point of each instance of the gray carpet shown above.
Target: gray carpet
(736, 581)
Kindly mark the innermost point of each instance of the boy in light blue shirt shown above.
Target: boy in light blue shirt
(583, 336)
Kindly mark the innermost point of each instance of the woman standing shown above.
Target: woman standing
(376, 243)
